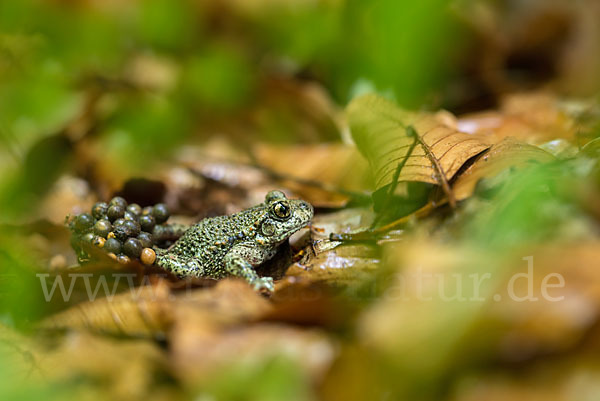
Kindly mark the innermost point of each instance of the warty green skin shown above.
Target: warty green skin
(233, 245)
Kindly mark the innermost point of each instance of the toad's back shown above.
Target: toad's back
(209, 241)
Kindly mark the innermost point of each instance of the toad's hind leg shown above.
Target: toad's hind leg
(179, 266)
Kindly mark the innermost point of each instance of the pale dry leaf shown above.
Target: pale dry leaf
(530, 117)
(344, 266)
(561, 379)
(321, 174)
(114, 369)
(232, 301)
(142, 312)
(197, 359)
(509, 153)
(556, 317)
(380, 130)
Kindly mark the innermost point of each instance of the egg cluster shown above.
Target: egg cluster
(123, 231)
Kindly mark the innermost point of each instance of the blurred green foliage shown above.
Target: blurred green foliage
(531, 205)
(402, 46)
(54, 55)
(276, 378)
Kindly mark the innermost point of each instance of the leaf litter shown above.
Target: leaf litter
(342, 312)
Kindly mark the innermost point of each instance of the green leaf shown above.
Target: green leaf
(406, 146)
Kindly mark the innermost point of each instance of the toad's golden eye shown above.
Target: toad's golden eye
(281, 210)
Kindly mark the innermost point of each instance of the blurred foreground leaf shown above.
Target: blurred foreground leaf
(508, 154)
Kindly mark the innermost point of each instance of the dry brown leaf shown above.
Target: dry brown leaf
(530, 117)
(547, 325)
(332, 169)
(232, 301)
(211, 331)
(343, 266)
(142, 312)
(115, 369)
(434, 310)
(106, 368)
(381, 132)
(198, 358)
(509, 153)
(555, 380)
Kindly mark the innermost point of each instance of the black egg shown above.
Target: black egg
(112, 245)
(146, 239)
(135, 209)
(130, 216)
(118, 222)
(115, 212)
(121, 232)
(133, 247)
(102, 228)
(89, 237)
(133, 226)
(83, 222)
(99, 210)
(147, 222)
(160, 213)
(147, 210)
(118, 201)
(127, 229)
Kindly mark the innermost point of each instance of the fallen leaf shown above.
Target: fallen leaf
(534, 118)
(346, 267)
(198, 358)
(324, 174)
(216, 327)
(562, 379)
(433, 153)
(141, 312)
(509, 153)
(232, 301)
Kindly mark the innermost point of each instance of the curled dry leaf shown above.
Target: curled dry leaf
(407, 146)
(141, 312)
(509, 153)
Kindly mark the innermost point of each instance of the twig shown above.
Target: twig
(373, 233)
(441, 176)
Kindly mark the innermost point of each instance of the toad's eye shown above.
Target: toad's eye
(281, 210)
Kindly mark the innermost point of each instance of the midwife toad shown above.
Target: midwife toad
(234, 245)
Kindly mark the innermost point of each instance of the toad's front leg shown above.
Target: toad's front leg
(240, 262)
